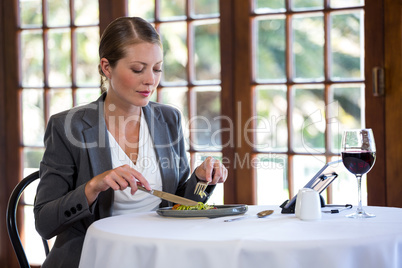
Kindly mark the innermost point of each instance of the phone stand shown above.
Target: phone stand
(319, 183)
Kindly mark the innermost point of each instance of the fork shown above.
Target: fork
(200, 188)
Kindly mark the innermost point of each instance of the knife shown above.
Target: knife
(170, 197)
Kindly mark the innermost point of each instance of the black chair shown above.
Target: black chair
(12, 220)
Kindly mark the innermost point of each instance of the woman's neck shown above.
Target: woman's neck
(124, 124)
(120, 118)
(112, 107)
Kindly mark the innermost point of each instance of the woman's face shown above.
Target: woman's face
(135, 77)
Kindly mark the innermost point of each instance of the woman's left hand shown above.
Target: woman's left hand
(212, 170)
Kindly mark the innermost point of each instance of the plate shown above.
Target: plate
(220, 211)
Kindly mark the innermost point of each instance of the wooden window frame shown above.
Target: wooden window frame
(242, 186)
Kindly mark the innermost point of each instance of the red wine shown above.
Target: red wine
(358, 162)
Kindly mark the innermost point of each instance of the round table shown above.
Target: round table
(147, 240)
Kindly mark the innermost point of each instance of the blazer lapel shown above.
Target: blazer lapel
(158, 130)
(100, 159)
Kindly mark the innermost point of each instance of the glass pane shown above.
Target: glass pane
(266, 6)
(272, 179)
(87, 56)
(308, 47)
(32, 157)
(349, 110)
(172, 8)
(86, 12)
(309, 119)
(346, 3)
(217, 196)
(205, 7)
(142, 8)
(60, 100)
(174, 36)
(87, 95)
(307, 4)
(58, 13)
(32, 58)
(271, 133)
(59, 49)
(33, 128)
(270, 46)
(33, 242)
(30, 13)
(304, 168)
(207, 51)
(177, 97)
(206, 126)
(347, 45)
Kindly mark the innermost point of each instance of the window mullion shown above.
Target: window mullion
(227, 32)
(191, 101)
(46, 88)
(289, 95)
(245, 181)
(73, 54)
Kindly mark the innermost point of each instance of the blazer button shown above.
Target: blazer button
(73, 210)
(79, 207)
(67, 213)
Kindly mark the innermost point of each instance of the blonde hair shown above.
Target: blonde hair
(121, 33)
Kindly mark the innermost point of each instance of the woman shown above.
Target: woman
(97, 154)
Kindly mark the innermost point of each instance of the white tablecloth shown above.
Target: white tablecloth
(147, 240)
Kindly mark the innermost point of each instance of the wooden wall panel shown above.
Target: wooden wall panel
(10, 115)
(243, 104)
(383, 26)
(3, 190)
(375, 115)
(110, 10)
(227, 97)
(393, 101)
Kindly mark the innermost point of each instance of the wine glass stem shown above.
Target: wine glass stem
(359, 189)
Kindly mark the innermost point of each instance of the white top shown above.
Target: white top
(147, 240)
(147, 165)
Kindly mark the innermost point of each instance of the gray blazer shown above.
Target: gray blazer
(77, 149)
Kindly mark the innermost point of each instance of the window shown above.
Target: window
(308, 86)
(59, 42)
(190, 33)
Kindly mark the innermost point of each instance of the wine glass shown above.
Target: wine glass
(358, 156)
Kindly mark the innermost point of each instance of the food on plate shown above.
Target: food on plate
(199, 206)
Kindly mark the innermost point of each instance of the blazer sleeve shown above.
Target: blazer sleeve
(60, 200)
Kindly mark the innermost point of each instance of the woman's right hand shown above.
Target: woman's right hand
(117, 179)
